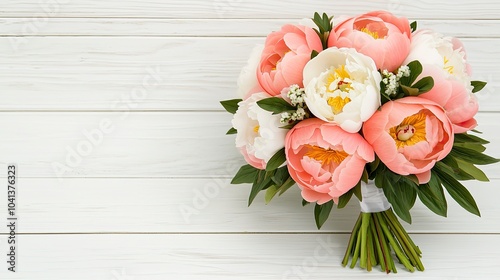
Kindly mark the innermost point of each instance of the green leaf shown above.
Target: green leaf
(424, 85)
(379, 178)
(477, 85)
(288, 184)
(473, 146)
(318, 21)
(314, 53)
(232, 130)
(372, 166)
(304, 202)
(472, 170)
(324, 22)
(260, 183)
(344, 199)
(357, 191)
(413, 26)
(412, 178)
(401, 194)
(321, 213)
(415, 71)
(469, 138)
(458, 192)
(230, 105)
(280, 175)
(246, 174)
(449, 165)
(276, 161)
(432, 196)
(270, 193)
(276, 105)
(409, 90)
(472, 156)
(289, 126)
(364, 176)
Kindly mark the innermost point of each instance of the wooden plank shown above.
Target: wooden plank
(205, 27)
(485, 9)
(136, 144)
(105, 73)
(263, 256)
(207, 205)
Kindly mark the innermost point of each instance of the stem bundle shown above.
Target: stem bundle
(374, 237)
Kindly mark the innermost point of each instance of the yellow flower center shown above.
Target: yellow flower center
(410, 131)
(371, 33)
(449, 68)
(337, 103)
(325, 156)
(339, 74)
(256, 129)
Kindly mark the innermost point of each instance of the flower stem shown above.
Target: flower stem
(395, 246)
(374, 237)
(370, 260)
(384, 246)
(356, 252)
(394, 218)
(364, 232)
(405, 241)
(350, 245)
(378, 246)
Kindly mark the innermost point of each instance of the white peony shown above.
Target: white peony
(343, 87)
(259, 134)
(447, 53)
(247, 81)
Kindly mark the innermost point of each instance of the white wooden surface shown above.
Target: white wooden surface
(150, 196)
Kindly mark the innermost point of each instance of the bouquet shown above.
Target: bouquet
(367, 107)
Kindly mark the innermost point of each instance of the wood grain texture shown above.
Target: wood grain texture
(484, 9)
(125, 95)
(108, 73)
(142, 27)
(242, 256)
(209, 205)
(163, 144)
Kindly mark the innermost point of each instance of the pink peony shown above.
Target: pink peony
(458, 100)
(444, 59)
(324, 160)
(285, 54)
(410, 135)
(379, 34)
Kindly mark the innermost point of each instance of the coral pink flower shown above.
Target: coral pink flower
(285, 54)
(410, 135)
(379, 34)
(444, 59)
(458, 100)
(324, 160)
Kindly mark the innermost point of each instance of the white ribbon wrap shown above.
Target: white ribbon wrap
(374, 199)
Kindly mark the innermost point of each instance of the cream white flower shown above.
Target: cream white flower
(447, 53)
(343, 87)
(247, 81)
(259, 134)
